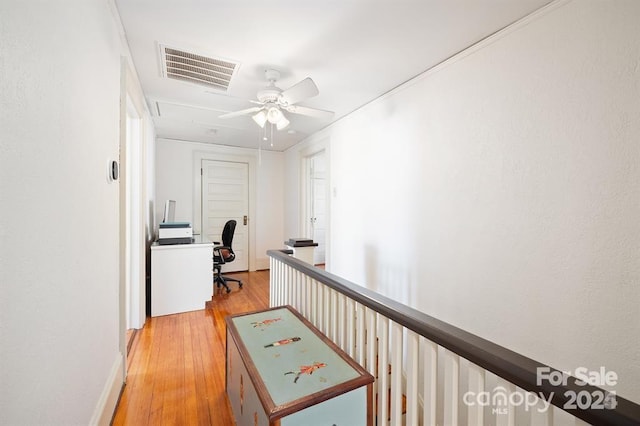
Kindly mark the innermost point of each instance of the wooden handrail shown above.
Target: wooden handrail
(503, 362)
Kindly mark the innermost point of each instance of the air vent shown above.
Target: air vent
(198, 69)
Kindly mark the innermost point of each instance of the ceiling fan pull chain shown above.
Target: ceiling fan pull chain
(259, 148)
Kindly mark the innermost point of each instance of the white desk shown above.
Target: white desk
(181, 277)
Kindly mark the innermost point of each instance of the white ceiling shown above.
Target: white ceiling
(354, 50)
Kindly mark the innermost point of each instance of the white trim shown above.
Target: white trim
(123, 218)
(251, 160)
(136, 196)
(105, 409)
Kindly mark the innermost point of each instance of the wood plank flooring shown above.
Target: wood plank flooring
(176, 367)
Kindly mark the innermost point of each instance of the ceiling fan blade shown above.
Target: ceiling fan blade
(311, 112)
(300, 91)
(241, 112)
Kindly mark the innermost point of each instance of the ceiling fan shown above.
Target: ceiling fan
(273, 101)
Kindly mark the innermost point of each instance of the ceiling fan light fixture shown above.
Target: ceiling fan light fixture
(283, 123)
(274, 115)
(260, 118)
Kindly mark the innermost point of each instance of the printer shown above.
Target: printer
(175, 233)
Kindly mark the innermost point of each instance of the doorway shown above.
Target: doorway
(225, 196)
(315, 203)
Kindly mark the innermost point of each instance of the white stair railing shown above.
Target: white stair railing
(429, 372)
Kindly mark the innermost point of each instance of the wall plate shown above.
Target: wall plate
(113, 171)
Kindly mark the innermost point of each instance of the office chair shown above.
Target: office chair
(224, 254)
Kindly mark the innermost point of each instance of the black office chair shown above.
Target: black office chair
(224, 254)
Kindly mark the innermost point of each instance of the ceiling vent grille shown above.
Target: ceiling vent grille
(198, 69)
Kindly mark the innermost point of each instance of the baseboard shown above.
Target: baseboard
(106, 406)
(263, 263)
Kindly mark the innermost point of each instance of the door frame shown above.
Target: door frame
(251, 160)
(305, 193)
(135, 267)
(131, 103)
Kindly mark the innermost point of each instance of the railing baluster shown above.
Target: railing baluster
(301, 296)
(295, 290)
(313, 302)
(275, 283)
(451, 377)
(282, 286)
(327, 310)
(504, 411)
(395, 365)
(429, 352)
(372, 349)
(361, 335)
(511, 413)
(333, 318)
(351, 327)
(475, 412)
(291, 288)
(291, 297)
(383, 370)
(412, 358)
(287, 286)
(272, 280)
(341, 322)
(320, 308)
(305, 295)
(541, 415)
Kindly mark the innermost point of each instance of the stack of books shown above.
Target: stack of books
(300, 242)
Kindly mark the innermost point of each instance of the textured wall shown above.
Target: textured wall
(59, 127)
(501, 191)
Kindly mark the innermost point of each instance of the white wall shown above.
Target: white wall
(60, 67)
(500, 192)
(269, 206)
(175, 180)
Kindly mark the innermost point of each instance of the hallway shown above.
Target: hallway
(176, 366)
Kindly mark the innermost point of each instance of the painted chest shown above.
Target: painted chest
(282, 371)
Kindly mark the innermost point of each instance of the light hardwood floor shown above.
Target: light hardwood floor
(176, 367)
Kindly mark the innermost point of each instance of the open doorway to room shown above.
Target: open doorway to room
(315, 203)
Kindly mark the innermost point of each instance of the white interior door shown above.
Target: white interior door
(225, 196)
(318, 204)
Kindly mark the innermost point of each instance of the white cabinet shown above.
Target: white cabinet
(302, 248)
(181, 277)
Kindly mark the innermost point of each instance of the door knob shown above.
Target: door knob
(244, 219)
